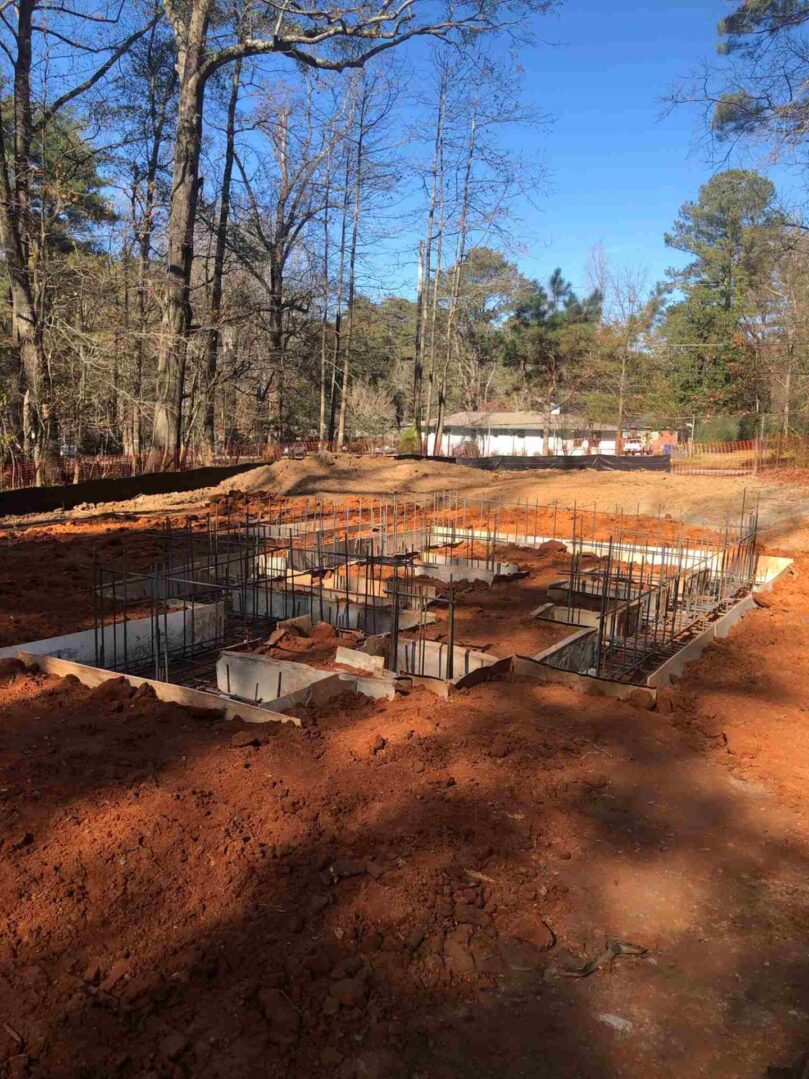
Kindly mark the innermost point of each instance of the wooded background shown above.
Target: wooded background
(202, 205)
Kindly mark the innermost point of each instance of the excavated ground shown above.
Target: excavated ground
(402, 888)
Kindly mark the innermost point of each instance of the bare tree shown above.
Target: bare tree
(285, 192)
(629, 309)
(328, 39)
(23, 134)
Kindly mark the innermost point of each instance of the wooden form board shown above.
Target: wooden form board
(165, 691)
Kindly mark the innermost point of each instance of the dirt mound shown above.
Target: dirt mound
(353, 475)
(281, 478)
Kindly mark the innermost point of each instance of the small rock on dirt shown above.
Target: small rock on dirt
(519, 955)
(116, 972)
(17, 1066)
(457, 956)
(499, 748)
(345, 867)
(531, 929)
(414, 939)
(281, 1014)
(92, 972)
(245, 738)
(467, 914)
(617, 1022)
(173, 1046)
(350, 992)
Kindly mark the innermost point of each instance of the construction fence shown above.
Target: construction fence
(775, 453)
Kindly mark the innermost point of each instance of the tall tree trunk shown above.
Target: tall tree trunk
(159, 105)
(145, 244)
(460, 254)
(276, 334)
(277, 267)
(338, 316)
(418, 358)
(15, 235)
(788, 387)
(425, 270)
(352, 265)
(324, 323)
(619, 438)
(215, 307)
(434, 304)
(176, 292)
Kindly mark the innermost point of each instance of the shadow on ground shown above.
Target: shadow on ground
(394, 890)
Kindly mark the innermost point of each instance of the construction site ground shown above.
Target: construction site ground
(408, 888)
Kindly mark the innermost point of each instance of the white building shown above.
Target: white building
(521, 434)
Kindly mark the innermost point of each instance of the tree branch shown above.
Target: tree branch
(98, 74)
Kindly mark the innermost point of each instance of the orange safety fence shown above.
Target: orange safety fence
(743, 457)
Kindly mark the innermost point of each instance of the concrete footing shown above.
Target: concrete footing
(164, 691)
(282, 684)
(261, 679)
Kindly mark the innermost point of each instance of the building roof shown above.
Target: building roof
(519, 421)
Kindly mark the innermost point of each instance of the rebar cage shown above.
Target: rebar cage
(227, 579)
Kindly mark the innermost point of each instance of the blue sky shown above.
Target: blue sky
(618, 169)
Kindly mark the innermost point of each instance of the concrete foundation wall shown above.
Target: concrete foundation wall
(692, 651)
(528, 667)
(261, 679)
(653, 555)
(337, 612)
(209, 622)
(282, 684)
(575, 653)
(446, 567)
(430, 658)
(768, 569)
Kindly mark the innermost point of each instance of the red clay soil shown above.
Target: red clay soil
(402, 888)
(46, 574)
